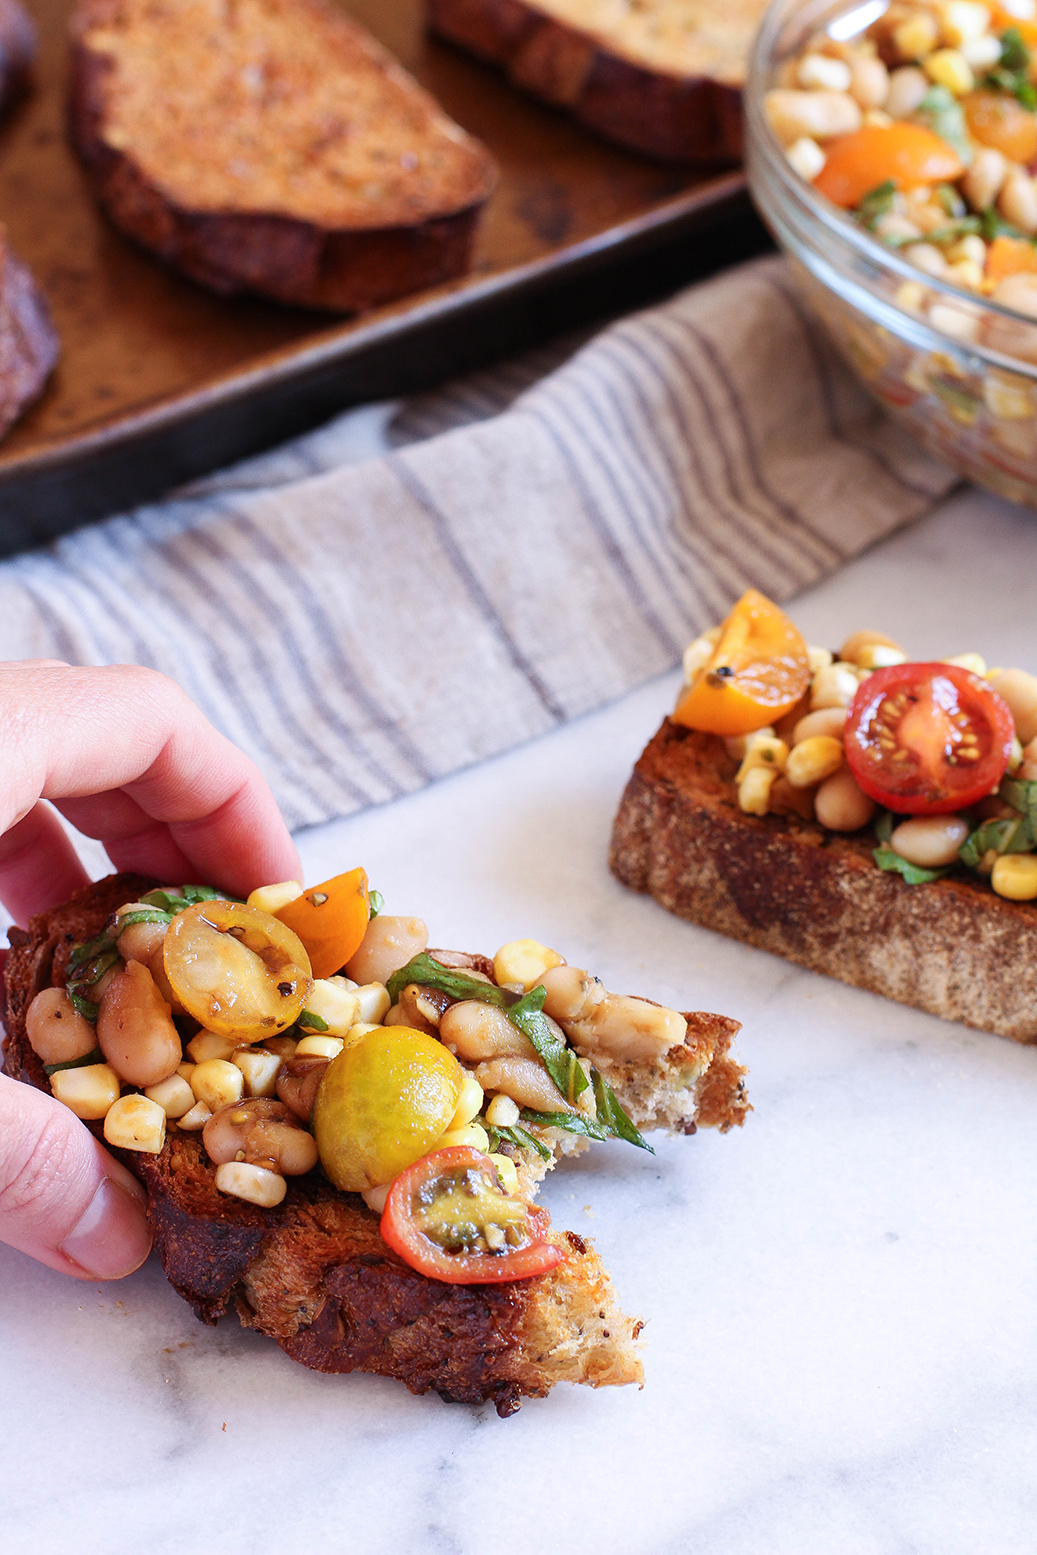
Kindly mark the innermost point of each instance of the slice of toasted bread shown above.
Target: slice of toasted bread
(663, 77)
(272, 146)
(314, 1273)
(28, 343)
(816, 897)
(17, 51)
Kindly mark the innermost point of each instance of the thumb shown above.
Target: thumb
(63, 1199)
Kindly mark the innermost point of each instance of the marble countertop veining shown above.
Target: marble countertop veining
(841, 1297)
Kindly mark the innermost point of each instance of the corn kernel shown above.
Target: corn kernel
(980, 53)
(968, 661)
(835, 686)
(910, 295)
(185, 1070)
(507, 1174)
(818, 658)
(502, 1112)
(524, 961)
(806, 158)
(823, 72)
(375, 1198)
(950, 68)
(207, 1044)
(333, 1003)
(271, 898)
(967, 274)
(964, 20)
(916, 35)
(971, 246)
(812, 760)
(767, 752)
(697, 655)
(136, 1123)
(877, 656)
(361, 1029)
(1015, 876)
(754, 791)
(196, 1119)
(260, 1070)
(739, 745)
(472, 1134)
(1015, 756)
(319, 1047)
(469, 1103)
(174, 1095)
(217, 1083)
(374, 1002)
(253, 1183)
(1008, 398)
(88, 1091)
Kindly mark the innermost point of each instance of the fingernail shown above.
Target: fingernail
(112, 1237)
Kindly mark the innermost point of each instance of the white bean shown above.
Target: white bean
(56, 1031)
(834, 686)
(1017, 201)
(907, 87)
(841, 805)
(827, 720)
(135, 1030)
(1019, 689)
(869, 81)
(388, 945)
(982, 183)
(821, 115)
(930, 841)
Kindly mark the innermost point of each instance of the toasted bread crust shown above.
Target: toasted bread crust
(300, 224)
(314, 1273)
(669, 116)
(817, 898)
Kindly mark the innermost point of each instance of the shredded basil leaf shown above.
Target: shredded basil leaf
(144, 915)
(311, 1022)
(1014, 53)
(92, 947)
(951, 201)
(527, 1014)
(1022, 796)
(375, 903)
(877, 202)
(942, 113)
(572, 1122)
(884, 825)
(1001, 836)
(84, 976)
(992, 225)
(520, 1138)
(86, 1007)
(887, 859)
(93, 1057)
(952, 231)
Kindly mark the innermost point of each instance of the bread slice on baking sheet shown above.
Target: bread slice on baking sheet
(272, 147)
(816, 897)
(314, 1273)
(663, 77)
(28, 343)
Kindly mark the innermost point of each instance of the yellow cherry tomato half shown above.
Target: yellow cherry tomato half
(236, 969)
(907, 154)
(331, 920)
(759, 670)
(382, 1104)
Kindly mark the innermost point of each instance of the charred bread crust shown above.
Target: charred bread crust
(951, 947)
(28, 343)
(670, 117)
(18, 44)
(274, 253)
(314, 1273)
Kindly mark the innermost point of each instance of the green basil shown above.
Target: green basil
(144, 915)
(86, 1007)
(1015, 56)
(311, 1022)
(375, 903)
(520, 1139)
(572, 1122)
(877, 202)
(1001, 836)
(527, 1014)
(884, 825)
(992, 225)
(1022, 796)
(887, 859)
(93, 1057)
(942, 113)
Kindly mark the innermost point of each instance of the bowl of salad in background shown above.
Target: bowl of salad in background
(891, 149)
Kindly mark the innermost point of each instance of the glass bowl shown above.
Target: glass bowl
(959, 371)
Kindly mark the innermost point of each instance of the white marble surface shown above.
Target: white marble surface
(842, 1297)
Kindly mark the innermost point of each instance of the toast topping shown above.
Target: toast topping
(947, 744)
(455, 1076)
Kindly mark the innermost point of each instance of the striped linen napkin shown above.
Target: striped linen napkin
(525, 546)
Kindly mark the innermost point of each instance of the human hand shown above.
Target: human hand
(127, 758)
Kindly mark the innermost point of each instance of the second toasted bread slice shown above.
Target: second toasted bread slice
(272, 146)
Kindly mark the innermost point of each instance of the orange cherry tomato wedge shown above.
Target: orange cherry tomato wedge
(759, 670)
(331, 920)
(908, 154)
(1010, 256)
(999, 120)
(448, 1217)
(925, 739)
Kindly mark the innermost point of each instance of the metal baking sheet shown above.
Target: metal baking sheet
(160, 381)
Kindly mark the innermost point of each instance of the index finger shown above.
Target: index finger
(68, 733)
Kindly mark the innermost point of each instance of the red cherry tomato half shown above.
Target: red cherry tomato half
(924, 739)
(449, 1218)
